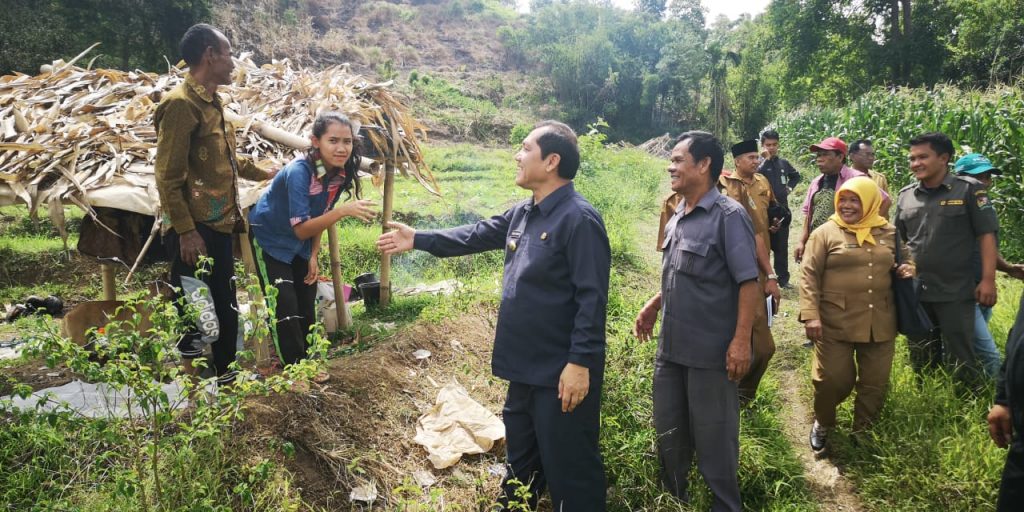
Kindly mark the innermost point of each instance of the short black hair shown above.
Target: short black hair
(705, 145)
(858, 145)
(196, 40)
(769, 134)
(560, 139)
(939, 142)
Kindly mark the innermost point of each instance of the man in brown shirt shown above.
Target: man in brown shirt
(754, 192)
(197, 175)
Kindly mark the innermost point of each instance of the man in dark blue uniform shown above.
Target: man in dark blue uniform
(783, 178)
(550, 337)
(1006, 418)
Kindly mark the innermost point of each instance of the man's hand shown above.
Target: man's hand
(314, 271)
(361, 209)
(573, 385)
(798, 253)
(1000, 429)
(643, 328)
(737, 358)
(192, 247)
(398, 241)
(775, 227)
(1016, 271)
(985, 293)
(812, 329)
(771, 288)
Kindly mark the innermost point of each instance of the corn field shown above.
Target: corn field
(988, 122)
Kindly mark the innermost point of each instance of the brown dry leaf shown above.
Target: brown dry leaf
(72, 130)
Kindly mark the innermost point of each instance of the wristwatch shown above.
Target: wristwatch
(773, 276)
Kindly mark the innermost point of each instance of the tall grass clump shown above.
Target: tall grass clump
(987, 122)
(930, 448)
(156, 456)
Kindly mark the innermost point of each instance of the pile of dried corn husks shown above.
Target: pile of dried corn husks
(86, 136)
(658, 146)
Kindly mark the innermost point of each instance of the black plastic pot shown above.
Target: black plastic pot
(370, 293)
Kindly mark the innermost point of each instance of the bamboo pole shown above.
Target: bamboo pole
(385, 259)
(109, 289)
(341, 309)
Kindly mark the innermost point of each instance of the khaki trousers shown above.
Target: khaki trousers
(840, 366)
(761, 354)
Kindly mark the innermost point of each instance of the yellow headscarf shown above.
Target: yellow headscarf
(870, 200)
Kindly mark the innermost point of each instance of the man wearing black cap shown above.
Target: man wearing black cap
(754, 192)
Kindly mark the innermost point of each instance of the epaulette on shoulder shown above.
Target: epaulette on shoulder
(728, 204)
(908, 187)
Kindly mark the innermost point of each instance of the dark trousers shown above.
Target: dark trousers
(551, 449)
(295, 311)
(951, 342)
(1011, 490)
(697, 412)
(221, 280)
(780, 253)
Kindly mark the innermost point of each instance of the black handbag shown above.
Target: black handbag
(911, 318)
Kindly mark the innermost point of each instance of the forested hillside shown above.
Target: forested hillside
(660, 67)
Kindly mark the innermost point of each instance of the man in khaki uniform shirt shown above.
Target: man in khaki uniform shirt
(668, 209)
(752, 190)
(197, 175)
(942, 217)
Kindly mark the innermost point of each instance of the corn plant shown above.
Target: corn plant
(986, 122)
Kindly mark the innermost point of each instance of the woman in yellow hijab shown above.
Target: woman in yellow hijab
(847, 307)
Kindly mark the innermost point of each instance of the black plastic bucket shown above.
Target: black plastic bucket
(370, 293)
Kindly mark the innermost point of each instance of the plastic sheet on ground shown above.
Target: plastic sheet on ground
(455, 426)
(91, 400)
(446, 287)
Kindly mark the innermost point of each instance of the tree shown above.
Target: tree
(131, 33)
(655, 8)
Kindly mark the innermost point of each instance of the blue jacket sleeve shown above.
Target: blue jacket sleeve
(589, 257)
(297, 181)
(484, 235)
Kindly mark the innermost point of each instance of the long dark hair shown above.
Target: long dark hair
(320, 124)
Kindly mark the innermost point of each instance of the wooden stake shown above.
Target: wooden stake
(385, 259)
(341, 309)
(261, 343)
(109, 289)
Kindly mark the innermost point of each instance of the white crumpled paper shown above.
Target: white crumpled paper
(455, 426)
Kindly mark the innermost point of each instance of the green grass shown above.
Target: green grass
(929, 450)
